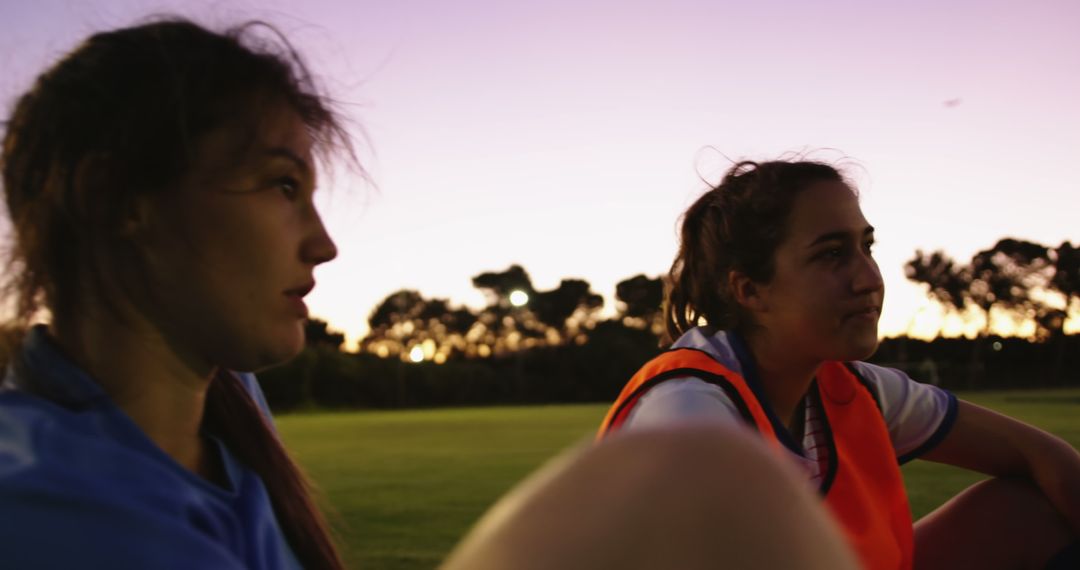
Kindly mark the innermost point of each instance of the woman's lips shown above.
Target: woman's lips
(302, 290)
(296, 298)
(298, 304)
(869, 313)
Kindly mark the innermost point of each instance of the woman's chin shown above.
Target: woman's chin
(285, 350)
(861, 348)
(268, 352)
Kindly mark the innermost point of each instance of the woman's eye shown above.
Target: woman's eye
(831, 253)
(289, 186)
(868, 247)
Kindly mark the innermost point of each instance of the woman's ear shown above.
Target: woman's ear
(96, 191)
(749, 294)
(135, 217)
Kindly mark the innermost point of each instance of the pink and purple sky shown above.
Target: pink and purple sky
(568, 136)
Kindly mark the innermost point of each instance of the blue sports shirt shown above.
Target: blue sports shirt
(82, 486)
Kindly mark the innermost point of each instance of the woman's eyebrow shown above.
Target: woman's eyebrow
(282, 152)
(839, 236)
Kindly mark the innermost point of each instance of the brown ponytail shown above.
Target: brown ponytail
(140, 100)
(735, 226)
(232, 415)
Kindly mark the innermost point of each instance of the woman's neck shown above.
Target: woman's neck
(784, 376)
(144, 377)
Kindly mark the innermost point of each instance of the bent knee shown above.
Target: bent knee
(998, 522)
(693, 452)
(1016, 498)
(702, 469)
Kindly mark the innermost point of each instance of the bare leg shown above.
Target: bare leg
(689, 498)
(997, 523)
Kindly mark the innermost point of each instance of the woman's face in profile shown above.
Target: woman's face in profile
(230, 250)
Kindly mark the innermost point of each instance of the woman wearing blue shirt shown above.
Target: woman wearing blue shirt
(159, 181)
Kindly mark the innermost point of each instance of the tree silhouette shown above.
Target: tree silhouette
(1005, 276)
(947, 281)
(458, 321)
(398, 307)
(318, 333)
(1002, 277)
(1066, 279)
(546, 318)
(405, 319)
(500, 285)
(1012, 277)
(554, 307)
(641, 299)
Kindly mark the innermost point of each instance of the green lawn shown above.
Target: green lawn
(406, 485)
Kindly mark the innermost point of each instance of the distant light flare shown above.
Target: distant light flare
(519, 298)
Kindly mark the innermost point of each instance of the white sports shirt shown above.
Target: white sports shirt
(917, 415)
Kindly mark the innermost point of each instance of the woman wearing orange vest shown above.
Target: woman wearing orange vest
(774, 299)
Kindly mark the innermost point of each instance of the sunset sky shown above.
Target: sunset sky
(568, 136)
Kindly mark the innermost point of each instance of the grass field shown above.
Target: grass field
(407, 484)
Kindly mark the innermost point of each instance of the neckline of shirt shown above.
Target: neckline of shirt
(46, 372)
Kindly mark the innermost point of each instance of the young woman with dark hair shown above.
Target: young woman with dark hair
(159, 181)
(773, 302)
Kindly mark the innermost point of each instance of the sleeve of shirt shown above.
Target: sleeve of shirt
(680, 401)
(917, 415)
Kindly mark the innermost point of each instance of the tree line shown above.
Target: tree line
(518, 317)
(536, 346)
(528, 345)
(525, 346)
(1018, 279)
(1015, 279)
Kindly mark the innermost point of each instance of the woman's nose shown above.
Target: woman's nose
(318, 247)
(867, 276)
